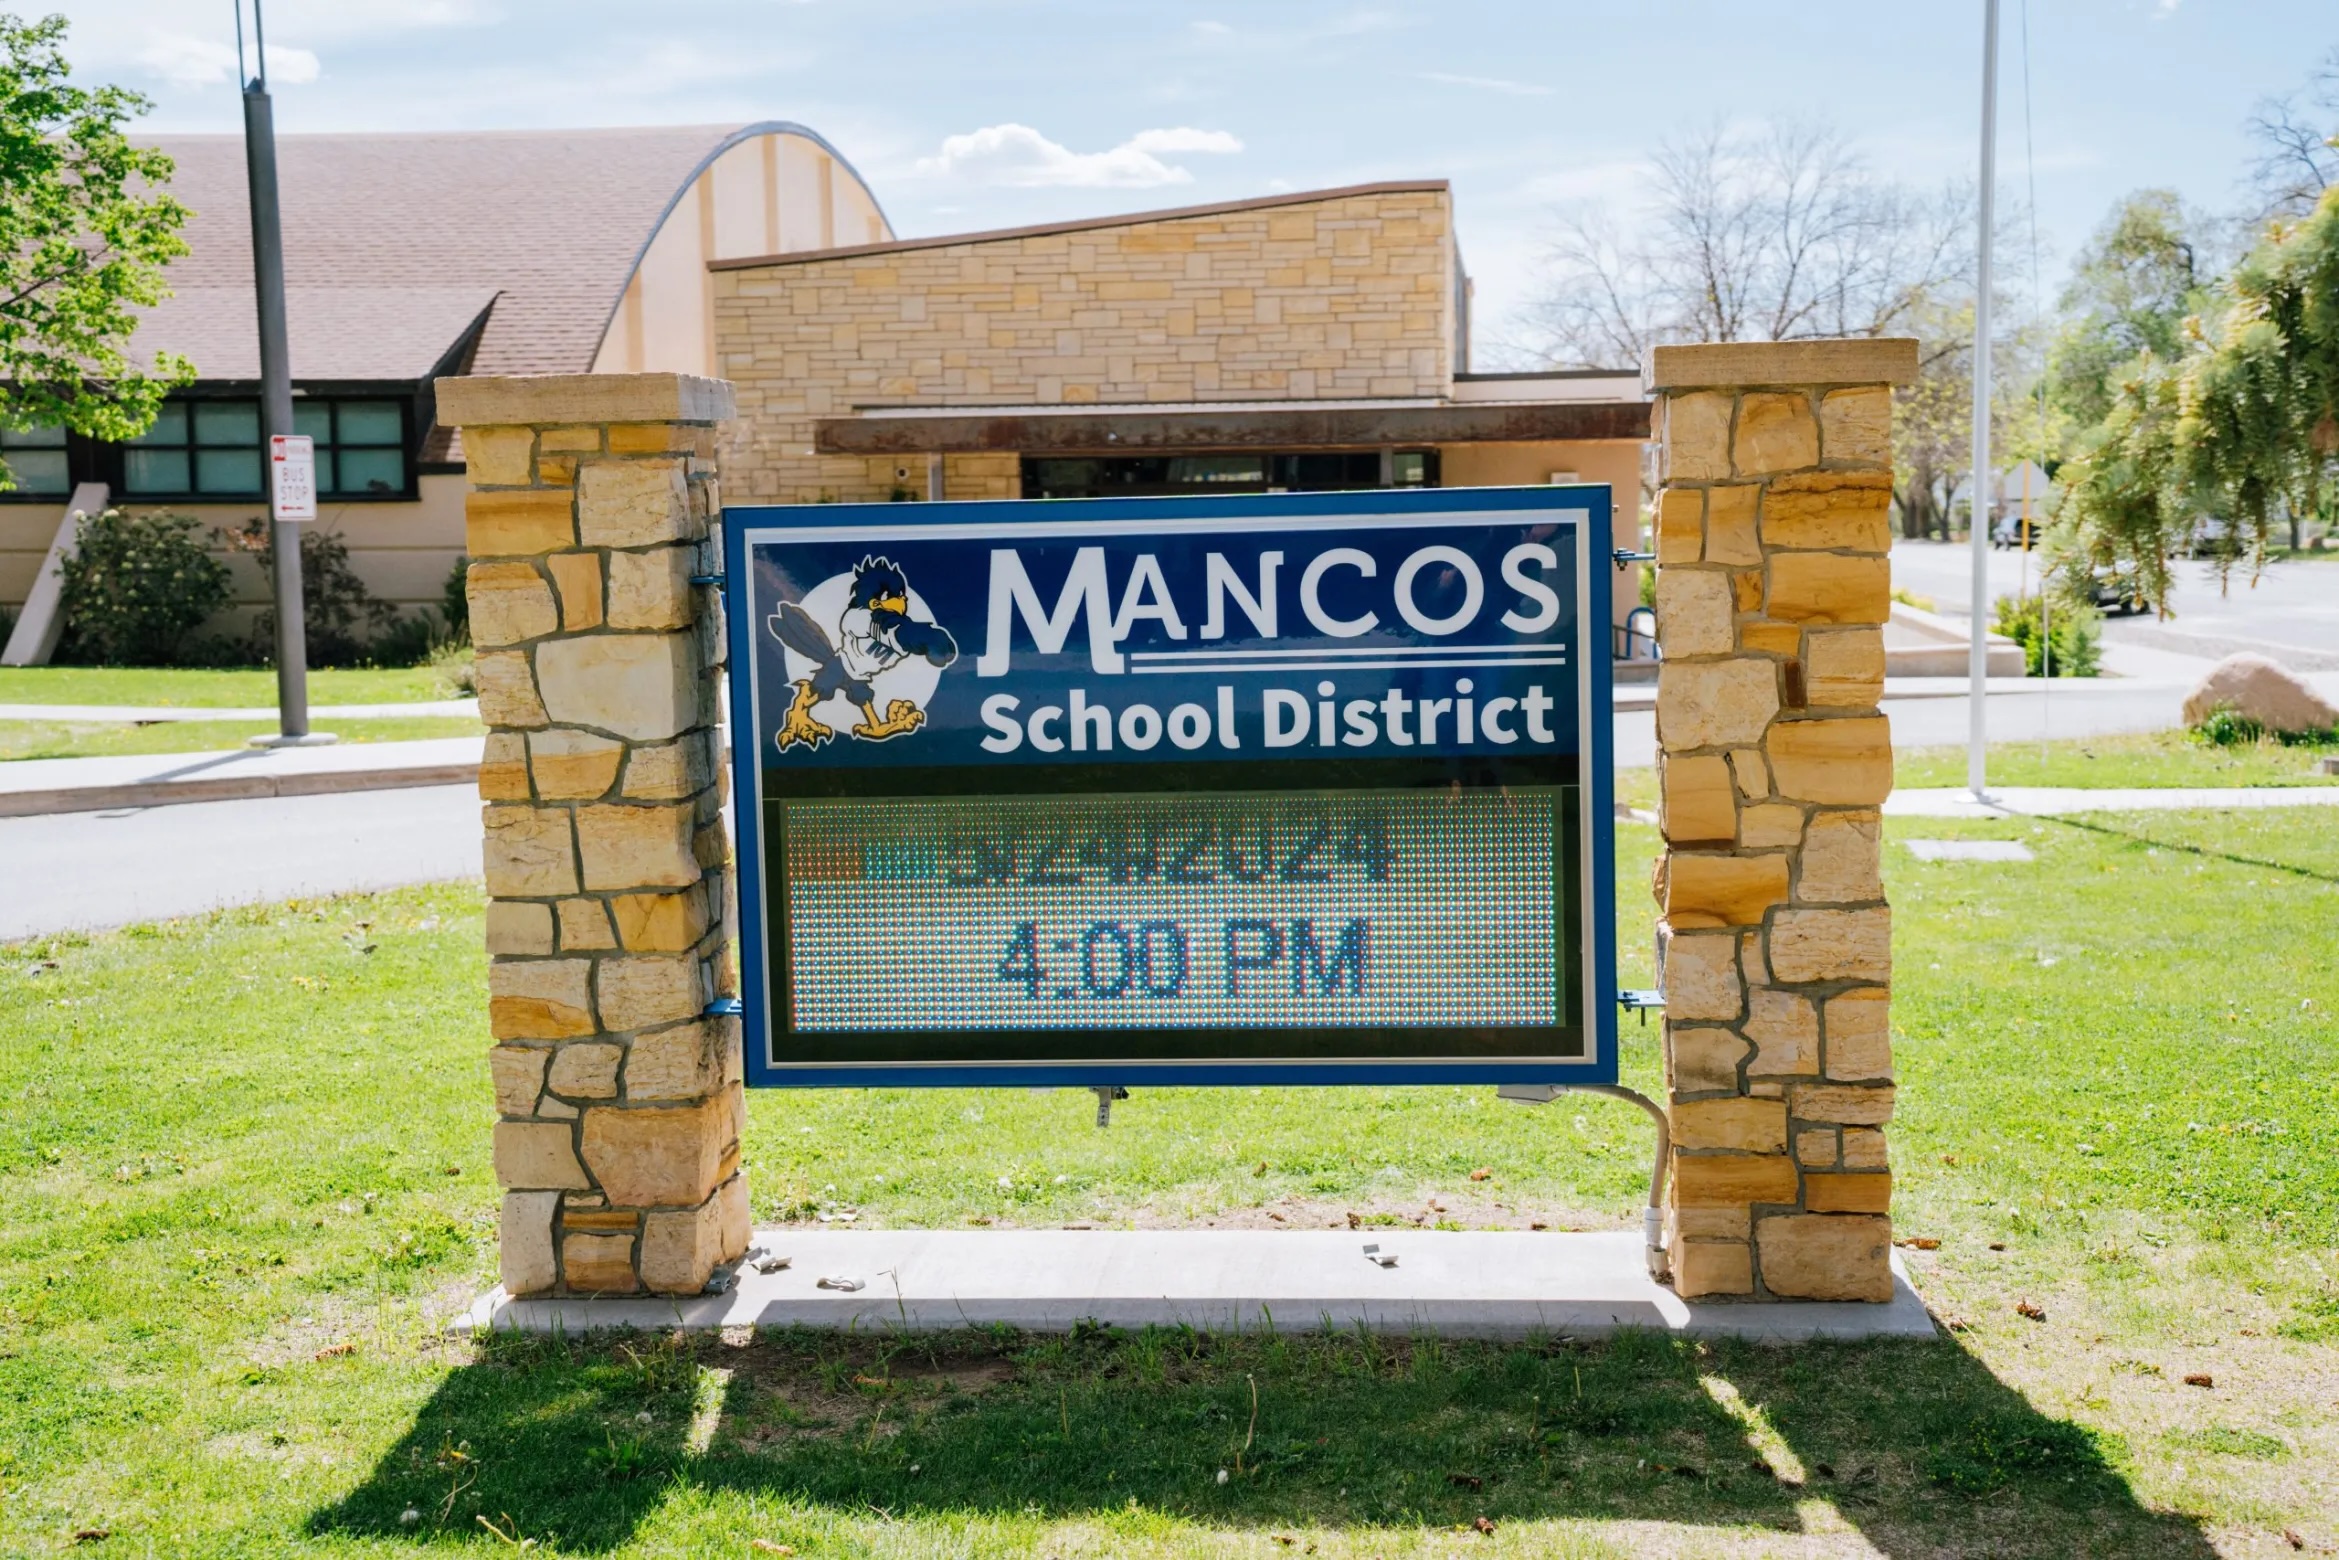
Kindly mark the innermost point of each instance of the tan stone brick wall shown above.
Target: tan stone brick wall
(1776, 941)
(1335, 298)
(606, 857)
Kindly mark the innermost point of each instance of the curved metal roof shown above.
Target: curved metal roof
(551, 223)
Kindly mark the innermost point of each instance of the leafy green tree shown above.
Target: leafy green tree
(84, 234)
(2126, 501)
(2245, 427)
(2261, 407)
(2131, 290)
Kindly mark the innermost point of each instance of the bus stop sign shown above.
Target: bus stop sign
(1307, 788)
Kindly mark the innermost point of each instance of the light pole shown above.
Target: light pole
(1978, 656)
(292, 648)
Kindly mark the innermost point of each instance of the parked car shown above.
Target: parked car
(2115, 590)
(2008, 532)
(2210, 534)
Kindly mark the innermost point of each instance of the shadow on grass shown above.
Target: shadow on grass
(1917, 1445)
(2186, 848)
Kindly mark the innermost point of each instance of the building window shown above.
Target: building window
(36, 459)
(361, 446)
(196, 449)
(212, 449)
(1154, 476)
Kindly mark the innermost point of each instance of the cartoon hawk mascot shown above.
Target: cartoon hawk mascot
(873, 634)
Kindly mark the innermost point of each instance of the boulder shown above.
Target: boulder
(2259, 690)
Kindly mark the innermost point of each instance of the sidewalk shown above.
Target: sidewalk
(140, 715)
(2049, 801)
(1643, 696)
(62, 785)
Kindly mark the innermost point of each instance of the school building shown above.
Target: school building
(1310, 341)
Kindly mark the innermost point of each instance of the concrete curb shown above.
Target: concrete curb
(35, 786)
(229, 788)
(159, 715)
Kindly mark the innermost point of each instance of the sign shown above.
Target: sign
(292, 476)
(1292, 788)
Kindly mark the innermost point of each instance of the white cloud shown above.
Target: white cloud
(1487, 83)
(204, 62)
(1182, 138)
(1215, 29)
(1020, 156)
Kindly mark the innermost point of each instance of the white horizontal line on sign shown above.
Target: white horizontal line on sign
(1069, 529)
(1424, 652)
(1338, 666)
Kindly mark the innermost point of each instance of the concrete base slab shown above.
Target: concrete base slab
(1475, 1284)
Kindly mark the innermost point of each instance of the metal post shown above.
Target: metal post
(292, 649)
(1978, 658)
(1652, 1216)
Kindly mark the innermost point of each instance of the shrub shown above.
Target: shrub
(2227, 727)
(342, 617)
(455, 602)
(408, 641)
(440, 640)
(2077, 635)
(136, 589)
(453, 663)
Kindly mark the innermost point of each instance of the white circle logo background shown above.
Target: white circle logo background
(913, 678)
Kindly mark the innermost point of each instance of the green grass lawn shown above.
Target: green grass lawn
(191, 688)
(244, 1171)
(2155, 759)
(64, 739)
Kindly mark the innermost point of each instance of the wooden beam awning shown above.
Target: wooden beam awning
(1137, 431)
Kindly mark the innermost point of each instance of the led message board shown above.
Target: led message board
(1294, 788)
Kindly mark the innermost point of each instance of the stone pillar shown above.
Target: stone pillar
(592, 504)
(1775, 943)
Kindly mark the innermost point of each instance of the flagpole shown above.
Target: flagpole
(1978, 652)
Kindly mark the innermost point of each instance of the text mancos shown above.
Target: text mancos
(1386, 642)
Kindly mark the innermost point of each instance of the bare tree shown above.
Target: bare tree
(2298, 151)
(1768, 236)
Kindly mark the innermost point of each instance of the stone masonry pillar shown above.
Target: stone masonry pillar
(592, 504)
(1775, 943)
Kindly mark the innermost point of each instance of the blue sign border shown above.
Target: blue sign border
(1596, 769)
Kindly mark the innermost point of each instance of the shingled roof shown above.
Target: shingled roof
(393, 244)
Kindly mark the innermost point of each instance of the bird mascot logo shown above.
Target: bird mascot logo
(883, 635)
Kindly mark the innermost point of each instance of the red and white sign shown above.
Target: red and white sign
(292, 476)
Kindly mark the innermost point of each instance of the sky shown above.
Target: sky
(971, 114)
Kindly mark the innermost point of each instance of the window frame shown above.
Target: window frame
(1281, 470)
(63, 447)
(99, 460)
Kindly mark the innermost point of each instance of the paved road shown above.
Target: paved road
(2291, 613)
(99, 869)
